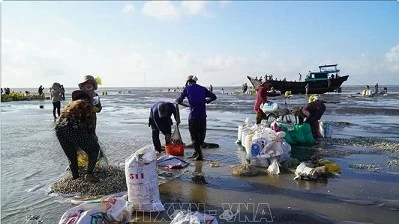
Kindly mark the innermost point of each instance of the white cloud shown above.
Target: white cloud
(31, 62)
(162, 10)
(128, 8)
(392, 57)
(393, 54)
(170, 10)
(193, 8)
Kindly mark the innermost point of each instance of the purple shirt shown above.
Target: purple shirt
(197, 97)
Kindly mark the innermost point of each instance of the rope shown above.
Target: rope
(358, 81)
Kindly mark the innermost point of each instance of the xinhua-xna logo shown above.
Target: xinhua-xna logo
(228, 213)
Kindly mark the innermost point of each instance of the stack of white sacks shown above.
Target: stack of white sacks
(264, 146)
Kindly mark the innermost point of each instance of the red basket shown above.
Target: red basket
(174, 150)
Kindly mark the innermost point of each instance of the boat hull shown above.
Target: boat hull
(315, 86)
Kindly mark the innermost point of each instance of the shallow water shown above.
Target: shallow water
(31, 160)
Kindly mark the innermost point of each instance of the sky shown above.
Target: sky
(160, 43)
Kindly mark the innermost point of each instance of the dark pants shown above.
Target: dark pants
(314, 125)
(73, 138)
(197, 128)
(57, 105)
(164, 127)
(260, 115)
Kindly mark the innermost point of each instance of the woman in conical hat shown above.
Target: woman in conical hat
(89, 85)
(74, 130)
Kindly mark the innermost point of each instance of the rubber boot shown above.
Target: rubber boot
(194, 155)
(74, 171)
(199, 156)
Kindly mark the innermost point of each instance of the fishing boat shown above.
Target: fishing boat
(318, 82)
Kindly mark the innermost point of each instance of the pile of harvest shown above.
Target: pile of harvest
(244, 170)
(13, 96)
(112, 180)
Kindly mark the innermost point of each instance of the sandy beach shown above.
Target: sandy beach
(364, 144)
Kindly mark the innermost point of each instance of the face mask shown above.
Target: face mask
(96, 100)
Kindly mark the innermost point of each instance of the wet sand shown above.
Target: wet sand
(358, 195)
(32, 160)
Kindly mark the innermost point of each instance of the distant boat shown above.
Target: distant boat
(319, 82)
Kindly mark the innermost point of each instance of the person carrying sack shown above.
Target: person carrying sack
(160, 121)
(74, 129)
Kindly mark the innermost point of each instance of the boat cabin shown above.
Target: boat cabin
(324, 72)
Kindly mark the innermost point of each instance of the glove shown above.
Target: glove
(95, 109)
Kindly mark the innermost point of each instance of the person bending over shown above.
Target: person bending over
(160, 121)
(311, 113)
(75, 129)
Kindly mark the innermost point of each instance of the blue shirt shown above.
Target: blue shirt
(154, 111)
(197, 97)
(163, 123)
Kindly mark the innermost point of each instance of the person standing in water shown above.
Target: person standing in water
(261, 98)
(307, 88)
(56, 97)
(244, 87)
(63, 92)
(40, 90)
(197, 97)
(89, 85)
(75, 129)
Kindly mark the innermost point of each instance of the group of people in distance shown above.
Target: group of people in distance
(76, 125)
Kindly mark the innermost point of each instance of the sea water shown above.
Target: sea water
(32, 159)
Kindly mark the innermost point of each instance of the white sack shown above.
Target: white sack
(142, 180)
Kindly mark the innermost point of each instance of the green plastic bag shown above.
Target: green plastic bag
(298, 134)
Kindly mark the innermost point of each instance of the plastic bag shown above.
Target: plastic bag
(171, 162)
(325, 129)
(187, 217)
(274, 166)
(176, 137)
(298, 134)
(269, 107)
(98, 211)
(286, 152)
(305, 172)
(260, 161)
(102, 161)
(331, 166)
